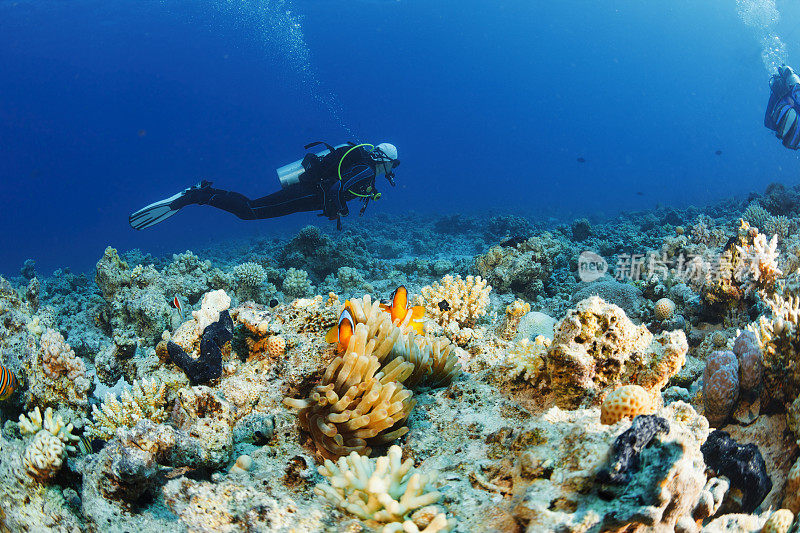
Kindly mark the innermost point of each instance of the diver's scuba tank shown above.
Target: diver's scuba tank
(290, 174)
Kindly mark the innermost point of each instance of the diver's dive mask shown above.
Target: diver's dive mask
(389, 163)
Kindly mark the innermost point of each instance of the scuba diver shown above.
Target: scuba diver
(783, 107)
(325, 181)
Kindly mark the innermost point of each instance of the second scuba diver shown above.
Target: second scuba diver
(783, 107)
(324, 181)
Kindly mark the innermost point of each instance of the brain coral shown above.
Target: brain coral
(596, 349)
(626, 401)
(720, 386)
(664, 309)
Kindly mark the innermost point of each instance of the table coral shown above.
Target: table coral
(466, 300)
(386, 490)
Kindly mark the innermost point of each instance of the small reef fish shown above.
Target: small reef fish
(718, 152)
(177, 304)
(8, 382)
(399, 309)
(343, 330)
(512, 242)
(581, 160)
(444, 305)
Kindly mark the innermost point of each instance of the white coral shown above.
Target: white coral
(758, 267)
(466, 300)
(385, 490)
(213, 304)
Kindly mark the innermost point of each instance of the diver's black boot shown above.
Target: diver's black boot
(163, 209)
(198, 194)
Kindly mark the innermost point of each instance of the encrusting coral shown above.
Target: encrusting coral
(596, 349)
(355, 406)
(146, 399)
(511, 319)
(385, 490)
(57, 376)
(466, 300)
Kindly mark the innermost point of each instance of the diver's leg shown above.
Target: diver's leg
(280, 203)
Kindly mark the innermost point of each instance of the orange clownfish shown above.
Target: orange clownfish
(399, 309)
(342, 332)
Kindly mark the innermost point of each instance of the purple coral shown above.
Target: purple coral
(751, 360)
(720, 386)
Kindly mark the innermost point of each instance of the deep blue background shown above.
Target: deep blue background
(106, 106)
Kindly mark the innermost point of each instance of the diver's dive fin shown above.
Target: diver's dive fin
(163, 209)
(154, 213)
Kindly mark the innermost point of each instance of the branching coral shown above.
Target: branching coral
(249, 276)
(296, 283)
(386, 490)
(466, 300)
(44, 454)
(355, 406)
(144, 400)
(758, 268)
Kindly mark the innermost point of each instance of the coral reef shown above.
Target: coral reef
(524, 269)
(584, 407)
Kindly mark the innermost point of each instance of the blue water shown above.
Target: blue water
(106, 106)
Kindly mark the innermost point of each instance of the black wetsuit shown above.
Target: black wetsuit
(319, 188)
